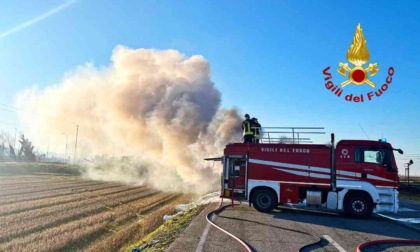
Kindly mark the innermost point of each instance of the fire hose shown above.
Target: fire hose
(243, 243)
(240, 241)
(210, 220)
(377, 242)
(319, 239)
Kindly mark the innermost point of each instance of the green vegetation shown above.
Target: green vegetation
(411, 192)
(19, 168)
(409, 195)
(164, 235)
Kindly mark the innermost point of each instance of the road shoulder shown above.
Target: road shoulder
(190, 237)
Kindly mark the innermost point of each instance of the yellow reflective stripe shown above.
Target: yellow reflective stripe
(247, 129)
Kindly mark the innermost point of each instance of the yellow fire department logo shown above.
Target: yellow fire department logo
(357, 74)
(358, 55)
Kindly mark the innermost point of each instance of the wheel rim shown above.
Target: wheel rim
(263, 200)
(358, 206)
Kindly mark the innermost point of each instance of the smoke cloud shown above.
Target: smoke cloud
(159, 109)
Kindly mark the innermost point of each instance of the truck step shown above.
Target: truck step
(385, 203)
(385, 194)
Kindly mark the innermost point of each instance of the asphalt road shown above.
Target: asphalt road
(290, 230)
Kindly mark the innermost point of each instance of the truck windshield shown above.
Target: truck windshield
(381, 157)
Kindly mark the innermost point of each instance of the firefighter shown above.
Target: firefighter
(255, 127)
(246, 128)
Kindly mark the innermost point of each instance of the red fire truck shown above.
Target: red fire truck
(356, 177)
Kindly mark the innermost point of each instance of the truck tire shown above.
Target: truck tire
(264, 200)
(358, 205)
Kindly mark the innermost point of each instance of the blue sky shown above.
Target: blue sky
(266, 57)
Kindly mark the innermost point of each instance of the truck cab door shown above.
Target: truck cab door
(375, 166)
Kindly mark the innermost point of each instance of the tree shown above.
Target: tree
(26, 150)
(6, 139)
(2, 152)
(12, 153)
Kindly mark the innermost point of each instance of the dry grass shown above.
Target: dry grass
(137, 230)
(167, 232)
(8, 199)
(51, 212)
(413, 180)
(415, 196)
(19, 168)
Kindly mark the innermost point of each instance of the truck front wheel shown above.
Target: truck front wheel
(358, 205)
(264, 200)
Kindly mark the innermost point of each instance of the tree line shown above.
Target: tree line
(8, 151)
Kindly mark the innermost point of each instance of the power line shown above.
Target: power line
(8, 123)
(7, 110)
(7, 105)
(16, 109)
(14, 123)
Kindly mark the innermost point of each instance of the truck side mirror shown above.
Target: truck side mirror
(400, 151)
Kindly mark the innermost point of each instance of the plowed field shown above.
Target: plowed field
(62, 212)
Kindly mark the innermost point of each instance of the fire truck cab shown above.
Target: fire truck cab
(356, 177)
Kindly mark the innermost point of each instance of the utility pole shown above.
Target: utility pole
(48, 147)
(14, 144)
(408, 171)
(75, 145)
(65, 155)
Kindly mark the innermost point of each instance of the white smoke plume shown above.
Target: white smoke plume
(159, 107)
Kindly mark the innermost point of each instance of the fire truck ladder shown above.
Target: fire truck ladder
(288, 134)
